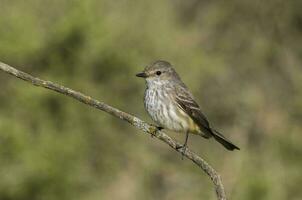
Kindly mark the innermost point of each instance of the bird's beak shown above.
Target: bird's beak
(142, 75)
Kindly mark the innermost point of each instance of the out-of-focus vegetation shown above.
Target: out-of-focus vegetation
(242, 60)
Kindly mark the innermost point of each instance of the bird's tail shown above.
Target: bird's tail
(222, 140)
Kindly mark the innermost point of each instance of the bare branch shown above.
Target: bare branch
(138, 123)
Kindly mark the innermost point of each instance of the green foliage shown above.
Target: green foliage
(241, 59)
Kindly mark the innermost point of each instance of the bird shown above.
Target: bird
(172, 106)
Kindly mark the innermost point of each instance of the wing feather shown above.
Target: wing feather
(186, 102)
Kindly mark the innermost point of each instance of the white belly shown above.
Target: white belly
(164, 111)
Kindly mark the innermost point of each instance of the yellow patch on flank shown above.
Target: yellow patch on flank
(191, 125)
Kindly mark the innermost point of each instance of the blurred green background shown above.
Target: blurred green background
(241, 59)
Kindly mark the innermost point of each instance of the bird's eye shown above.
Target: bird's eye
(158, 73)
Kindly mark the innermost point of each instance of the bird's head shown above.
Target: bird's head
(158, 72)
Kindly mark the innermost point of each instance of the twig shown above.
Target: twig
(138, 123)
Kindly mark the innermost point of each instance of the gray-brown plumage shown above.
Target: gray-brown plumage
(170, 104)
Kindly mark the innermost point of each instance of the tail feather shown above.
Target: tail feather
(222, 140)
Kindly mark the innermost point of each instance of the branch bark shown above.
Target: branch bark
(136, 122)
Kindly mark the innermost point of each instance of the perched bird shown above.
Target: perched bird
(172, 106)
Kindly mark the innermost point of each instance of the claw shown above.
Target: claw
(184, 147)
(159, 128)
(154, 129)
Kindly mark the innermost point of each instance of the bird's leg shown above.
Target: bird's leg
(184, 146)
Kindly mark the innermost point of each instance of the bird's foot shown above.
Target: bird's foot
(159, 128)
(183, 149)
(154, 129)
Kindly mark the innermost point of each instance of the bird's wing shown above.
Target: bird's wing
(186, 102)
